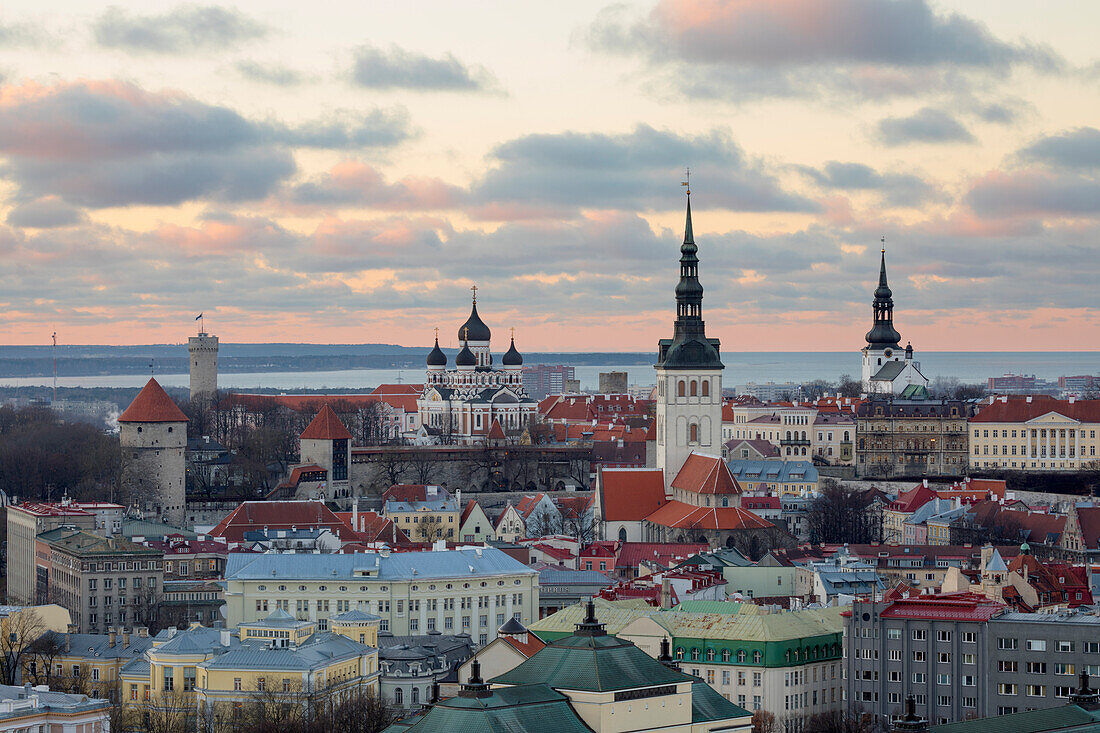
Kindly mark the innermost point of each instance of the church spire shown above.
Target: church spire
(882, 333)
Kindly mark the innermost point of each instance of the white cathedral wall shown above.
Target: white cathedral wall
(680, 413)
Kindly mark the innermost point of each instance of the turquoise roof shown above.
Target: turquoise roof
(526, 708)
(596, 663)
(708, 704)
(778, 471)
(1065, 717)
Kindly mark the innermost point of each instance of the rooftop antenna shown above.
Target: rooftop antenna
(151, 367)
(686, 183)
(54, 352)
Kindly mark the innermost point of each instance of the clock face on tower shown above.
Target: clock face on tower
(888, 353)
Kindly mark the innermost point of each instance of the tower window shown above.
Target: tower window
(680, 387)
(706, 388)
(694, 388)
(693, 433)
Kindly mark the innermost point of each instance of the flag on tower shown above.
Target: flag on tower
(198, 316)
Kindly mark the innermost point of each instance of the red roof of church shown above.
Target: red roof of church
(326, 426)
(703, 474)
(152, 405)
(685, 516)
(630, 494)
(253, 515)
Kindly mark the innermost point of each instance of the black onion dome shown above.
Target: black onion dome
(512, 357)
(474, 329)
(465, 357)
(436, 357)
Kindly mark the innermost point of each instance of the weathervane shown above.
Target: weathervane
(686, 183)
(883, 240)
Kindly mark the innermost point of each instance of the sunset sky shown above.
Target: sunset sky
(344, 172)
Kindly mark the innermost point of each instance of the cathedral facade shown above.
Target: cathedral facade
(474, 402)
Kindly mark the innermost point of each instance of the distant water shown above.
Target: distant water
(741, 368)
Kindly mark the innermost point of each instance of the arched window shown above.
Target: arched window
(741, 656)
(415, 696)
(693, 433)
(622, 534)
(710, 655)
(846, 439)
(706, 388)
(694, 388)
(695, 654)
(788, 435)
(725, 655)
(757, 657)
(679, 652)
(680, 387)
(398, 696)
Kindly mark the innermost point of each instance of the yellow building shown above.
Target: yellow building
(87, 663)
(424, 513)
(1035, 433)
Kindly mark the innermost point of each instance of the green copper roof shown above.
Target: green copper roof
(1033, 721)
(708, 704)
(594, 663)
(613, 614)
(713, 607)
(530, 708)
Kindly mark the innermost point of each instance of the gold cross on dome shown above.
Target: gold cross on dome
(474, 288)
(437, 333)
(513, 333)
(466, 334)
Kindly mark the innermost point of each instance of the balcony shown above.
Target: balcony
(795, 442)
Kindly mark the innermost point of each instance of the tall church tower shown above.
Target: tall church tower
(203, 351)
(887, 368)
(689, 374)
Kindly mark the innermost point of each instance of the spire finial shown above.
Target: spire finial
(474, 288)
(686, 183)
(883, 240)
(513, 330)
(437, 334)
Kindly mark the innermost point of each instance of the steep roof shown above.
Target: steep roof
(496, 432)
(1088, 518)
(630, 494)
(152, 405)
(326, 426)
(533, 707)
(686, 516)
(913, 499)
(704, 474)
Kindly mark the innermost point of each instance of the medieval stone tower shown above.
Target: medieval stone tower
(153, 437)
(203, 351)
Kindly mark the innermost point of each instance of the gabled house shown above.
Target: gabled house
(474, 524)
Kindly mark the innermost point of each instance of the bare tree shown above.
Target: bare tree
(837, 721)
(393, 464)
(18, 633)
(765, 722)
(839, 514)
(422, 466)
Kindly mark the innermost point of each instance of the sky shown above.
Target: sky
(345, 172)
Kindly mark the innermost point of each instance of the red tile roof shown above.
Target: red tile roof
(467, 511)
(760, 502)
(496, 432)
(297, 473)
(630, 494)
(44, 509)
(373, 527)
(411, 492)
(912, 500)
(532, 645)
(685, 516)
(1088, 518)
(253, 515)
(763, 447)
(631, 554)
(152, 405)
(527, 504)
(703, 474)
(1020, 408)
(944, 607)
(398, 389)
(326, 426)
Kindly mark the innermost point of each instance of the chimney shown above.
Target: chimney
(666, 594)
(125, 637)
(225, 638)
(355, 514)
(111, 638)
(926, 483)
(142, 631)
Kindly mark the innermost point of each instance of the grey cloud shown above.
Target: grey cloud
(927, 125)
(1078, 148)
(397, 68)
(1035, 193)
(20, 34)
(111, 144)
(871, 48)
(186, 28)
(900, 189)
(360, 184)
(270, 73)
(377, 128)
(639, 169)
(45, 213)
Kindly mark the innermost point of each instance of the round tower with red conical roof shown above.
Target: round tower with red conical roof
(153, 437)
